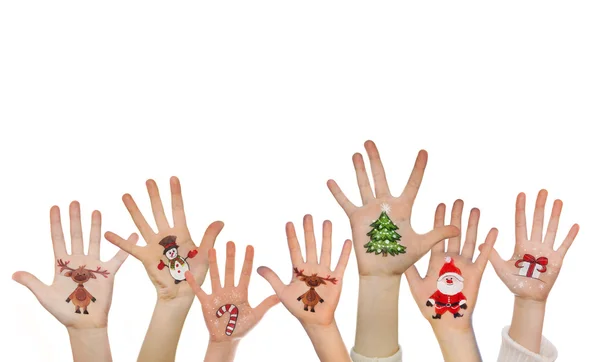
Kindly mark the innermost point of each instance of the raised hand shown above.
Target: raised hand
(170, 252)
(385, 243)
(532, 270)
(448, 293)
(81, 292)
(227, 313)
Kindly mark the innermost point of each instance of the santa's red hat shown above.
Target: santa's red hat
(450, 270)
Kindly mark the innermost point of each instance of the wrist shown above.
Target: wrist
(178, 303)
(89, 344)
(221, 351)
(529, 304)
(458, 344)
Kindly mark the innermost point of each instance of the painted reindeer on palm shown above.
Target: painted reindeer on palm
(80, 297)
(312, 298)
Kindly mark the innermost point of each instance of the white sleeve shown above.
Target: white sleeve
(511, 351)
(397, 357)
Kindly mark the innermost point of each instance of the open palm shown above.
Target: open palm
(227, 313)
(534, 267)
(170, 252)
(81, 292)
(452, 271)
(313, 294)
(374, 255)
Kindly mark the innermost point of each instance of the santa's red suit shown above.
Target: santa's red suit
(444, 302)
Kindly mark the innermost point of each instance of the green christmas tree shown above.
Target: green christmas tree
(384, 238)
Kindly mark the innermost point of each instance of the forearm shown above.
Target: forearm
(458, 345)
(377, 316)
(527, 323)
(328, 343)
(90, 344)
(221, 351)
(160, 343)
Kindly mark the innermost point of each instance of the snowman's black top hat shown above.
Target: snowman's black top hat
(168, 242)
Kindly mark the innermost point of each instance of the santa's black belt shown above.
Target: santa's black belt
(446, 304)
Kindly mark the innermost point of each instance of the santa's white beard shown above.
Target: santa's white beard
(447, 289)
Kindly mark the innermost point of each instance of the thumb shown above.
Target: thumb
(122, 255)
(272, 278)
(265, 305)
(414, 279)
(494, 258)
(438, 234)
(31, 282)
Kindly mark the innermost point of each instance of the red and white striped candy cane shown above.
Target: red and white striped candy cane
(233, 315)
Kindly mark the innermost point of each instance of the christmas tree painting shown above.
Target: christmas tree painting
(384, 238)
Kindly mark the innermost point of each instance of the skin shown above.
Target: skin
(87, 332)
(320, 325)
(222, 347)
(531, 294)
(455, 335)
(173, 300)
(377, 328)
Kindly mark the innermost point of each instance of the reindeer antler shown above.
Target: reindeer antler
(298, 272)
(104, 273)
(63, 265)
(329, 279)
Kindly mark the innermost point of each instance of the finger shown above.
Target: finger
(247, 267)
(272, 278)
(326, 245)
(56, 232)
(553, 223)
(414, 279)
(210, 235)
(138, 218)
(202, 296)
(520, 219)
(339, 196)
(157, 206)
(123, 244)
(340, 268)
(471, 238)
(486, 249)
(379, 179)
(39, 289)
(230, 265)
(416, 177)
(265, 305)
(177, 203)
(215, 279)
(495, 259)
(436, 235)
(122, 255)
(440, 214)
(76, 233)
(366, 193)
(564, 247)
(293, 245)
(538, 216)
(309, 239)
(455, 219)
(95, 235)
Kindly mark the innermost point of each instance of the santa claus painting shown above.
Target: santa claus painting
(449, 296)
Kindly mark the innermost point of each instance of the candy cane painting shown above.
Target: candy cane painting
(233, 315)
(531, 267)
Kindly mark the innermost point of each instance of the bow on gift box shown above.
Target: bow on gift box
(528, 258)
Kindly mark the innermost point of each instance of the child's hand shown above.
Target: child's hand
(170, 252)
(448, 293)
(313, 294)
(227, 313)
(81, 293)
(534, 266)
(385, 243)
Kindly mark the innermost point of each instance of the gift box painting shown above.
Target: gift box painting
(532, 267)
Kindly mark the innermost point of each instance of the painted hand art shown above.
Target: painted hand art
(80, 297)
(449, 296)
(384, 238)
(312, 298)
(531, 267)
(177, 265)
(233, 315)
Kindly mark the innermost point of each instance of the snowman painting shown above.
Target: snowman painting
(177, 265)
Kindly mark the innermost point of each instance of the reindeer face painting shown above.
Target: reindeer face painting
(449, 296)
(177, 265)
(80, 297)
(312, 298)
(531, 267)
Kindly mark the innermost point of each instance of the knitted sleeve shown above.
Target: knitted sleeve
(511, 351)
(397, 357)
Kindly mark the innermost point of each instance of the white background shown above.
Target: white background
(255, 104)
